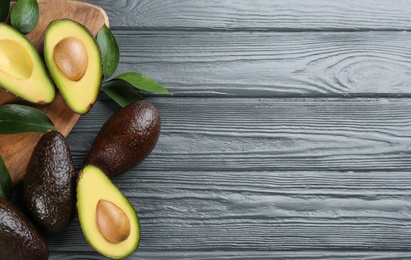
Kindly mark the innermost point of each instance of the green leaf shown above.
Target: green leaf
(122, 92)
(19, 118)
(143, 82)
(6, 184)
(4, 9)
(25, 15)
(109, 50)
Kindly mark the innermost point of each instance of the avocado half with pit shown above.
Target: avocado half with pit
(74, 62)
(108, 220)
(22, 72)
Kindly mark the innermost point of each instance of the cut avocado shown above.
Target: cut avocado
(22, 71)
(74, 61)
(108, 220)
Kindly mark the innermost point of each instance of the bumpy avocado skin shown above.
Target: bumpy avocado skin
(19, 239)
(49, 185)
(126, 139)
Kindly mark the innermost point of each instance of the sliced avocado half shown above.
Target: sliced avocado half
(22, 72)
(74, 61)
(108, 220)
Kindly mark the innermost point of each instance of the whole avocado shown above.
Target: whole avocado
(126, 138)
(49, 187)
(19, 239)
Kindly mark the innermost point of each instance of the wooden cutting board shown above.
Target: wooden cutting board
(16, 149)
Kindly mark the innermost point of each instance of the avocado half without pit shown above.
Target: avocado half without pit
(73, 59)
(108, 220)
(22, 72)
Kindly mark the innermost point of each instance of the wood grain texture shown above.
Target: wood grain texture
(91, 16)
(16, 149)
(247, 255)
(265, 179)
(259, 15)
(271, 64)
(213, 134)
(261, 154)
(225, 214)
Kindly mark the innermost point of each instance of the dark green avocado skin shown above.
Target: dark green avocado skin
(126, 139)
(19, 239)
(49, 187)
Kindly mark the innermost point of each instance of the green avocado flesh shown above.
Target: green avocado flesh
(93, 188)
(22, 71)
(74, 62)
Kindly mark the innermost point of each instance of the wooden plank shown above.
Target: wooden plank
(266, 178)
(16, 150)
(259, 14)
(217, 134)
(269, 64)
(245, 255)
(189, 212)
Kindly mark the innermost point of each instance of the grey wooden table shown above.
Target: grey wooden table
(288, 135)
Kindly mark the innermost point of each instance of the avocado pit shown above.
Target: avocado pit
(14, 60)
(112, 222)
(71, 58)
